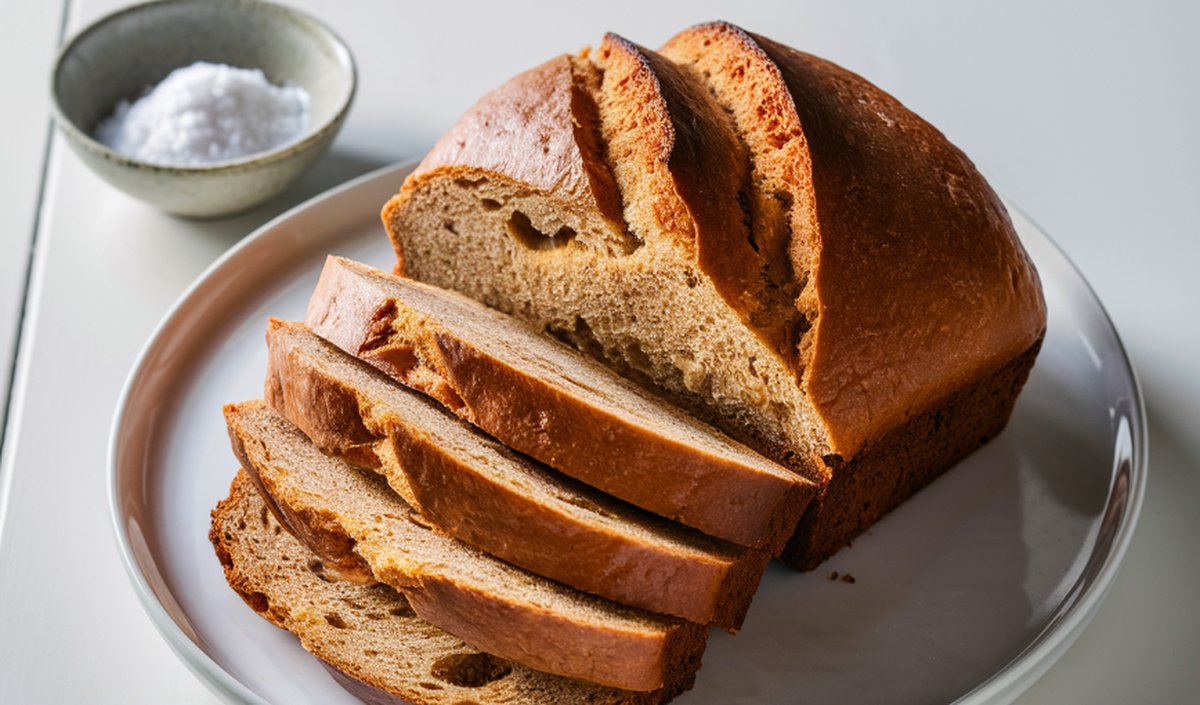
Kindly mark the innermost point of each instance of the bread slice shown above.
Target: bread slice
(544, 399)
(369, 636)
(868, 321)
(492, 605)
(479, 491)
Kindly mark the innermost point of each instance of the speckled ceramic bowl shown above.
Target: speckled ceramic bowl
(118, 57)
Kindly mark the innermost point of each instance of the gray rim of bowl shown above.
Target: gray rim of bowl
(252, 161)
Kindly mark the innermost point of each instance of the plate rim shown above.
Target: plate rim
(1043, 649)
(1027, 663)
(203, 666)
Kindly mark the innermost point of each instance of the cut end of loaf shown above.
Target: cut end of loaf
(688, 290)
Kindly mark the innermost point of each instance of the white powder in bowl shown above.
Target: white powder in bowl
(206, 113)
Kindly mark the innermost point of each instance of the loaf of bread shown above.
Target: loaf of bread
(542, 398)
(492, 605)
(479, 491)
(763, 237)
(726, 226)
(369, 636)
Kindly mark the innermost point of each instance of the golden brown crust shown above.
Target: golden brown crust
(496, 607)
(780, 203)
(640, 141)
(368, 636)
(918, 277)
(532, 113)
(922, 280)
(482, 493)
(612, 440)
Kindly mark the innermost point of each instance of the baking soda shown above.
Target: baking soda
(206, 113)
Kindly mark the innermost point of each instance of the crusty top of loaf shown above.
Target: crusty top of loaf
(922, 282)
(902, 259)
(686, 176)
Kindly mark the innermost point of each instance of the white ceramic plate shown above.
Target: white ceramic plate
(968, 592)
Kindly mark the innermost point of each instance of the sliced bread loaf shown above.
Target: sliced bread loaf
(479, 491)
(542, 398)
(369, 636)
(490, 604)
(848, 297)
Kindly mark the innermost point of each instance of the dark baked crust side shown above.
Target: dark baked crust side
(893, 469)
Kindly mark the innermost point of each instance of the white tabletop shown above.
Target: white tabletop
(1082, 114)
